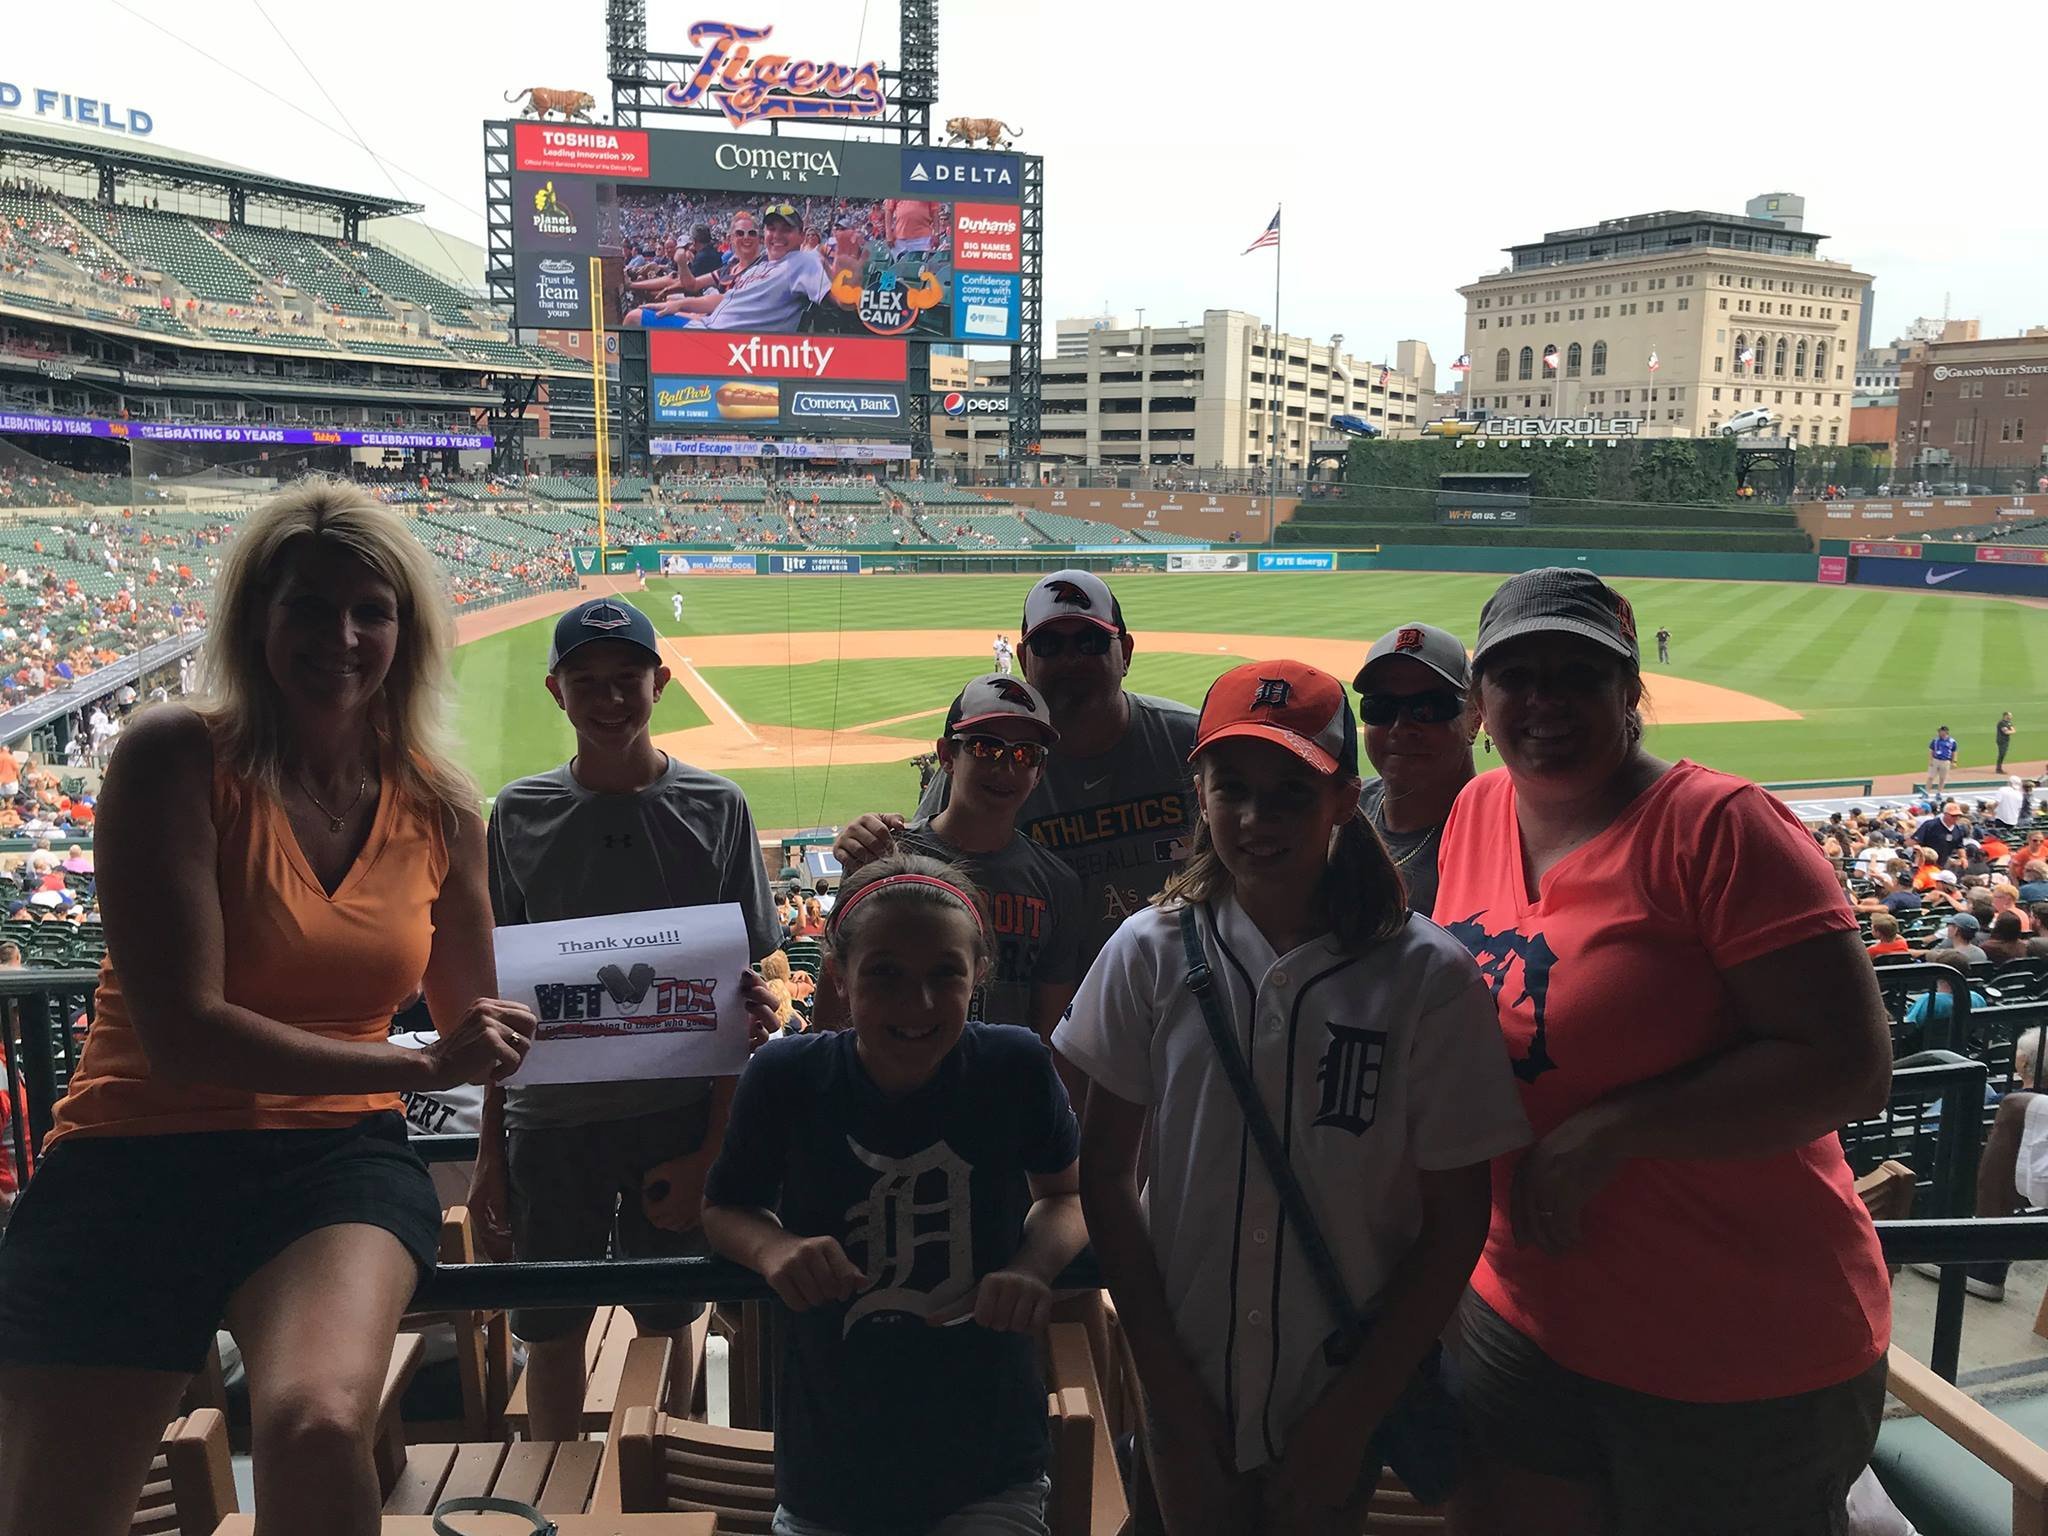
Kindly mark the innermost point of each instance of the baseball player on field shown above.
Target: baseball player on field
(1373, 1047)
(1003, 654)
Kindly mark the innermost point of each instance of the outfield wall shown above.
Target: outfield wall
(655, 559)
(1686, 564)
(2005, 570)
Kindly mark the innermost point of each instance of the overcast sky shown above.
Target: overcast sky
(1409, 143)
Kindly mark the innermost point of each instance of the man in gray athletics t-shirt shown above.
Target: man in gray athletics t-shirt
(1115, 804)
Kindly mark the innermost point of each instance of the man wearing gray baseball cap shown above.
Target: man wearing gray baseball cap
(1415, 703)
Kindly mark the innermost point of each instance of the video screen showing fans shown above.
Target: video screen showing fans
(778, 263)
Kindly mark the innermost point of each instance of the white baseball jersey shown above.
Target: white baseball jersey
(1374, 1066)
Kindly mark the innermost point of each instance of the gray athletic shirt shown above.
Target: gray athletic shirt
(1035, 919)
(1414, 852)
(559, 850)
(1120, 821)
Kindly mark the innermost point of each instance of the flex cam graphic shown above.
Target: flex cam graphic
(886, 301)
(1498, 955)
(626, 1003)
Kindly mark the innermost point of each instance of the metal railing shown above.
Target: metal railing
(38, 1012)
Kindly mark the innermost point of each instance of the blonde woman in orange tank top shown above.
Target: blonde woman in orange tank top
(279, 868)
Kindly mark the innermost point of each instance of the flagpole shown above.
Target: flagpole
(1274, 399)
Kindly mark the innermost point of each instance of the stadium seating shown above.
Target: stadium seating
(301, 262)
(1062, 528)
(396, 276)
(994, 530)
(934, 493)
(172, 245)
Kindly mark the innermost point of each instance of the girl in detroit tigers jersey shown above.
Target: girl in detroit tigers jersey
(1370, 1039)
(908, 1188)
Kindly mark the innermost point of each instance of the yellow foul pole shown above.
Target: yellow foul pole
(599, 396)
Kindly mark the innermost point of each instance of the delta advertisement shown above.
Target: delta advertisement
(729, 233)
(791, 404)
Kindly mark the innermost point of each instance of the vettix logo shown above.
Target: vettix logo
(752, 355)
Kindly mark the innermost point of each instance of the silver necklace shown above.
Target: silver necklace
(334, 821)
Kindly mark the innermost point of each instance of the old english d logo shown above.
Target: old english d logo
(1273, 693)
(1349, 1076)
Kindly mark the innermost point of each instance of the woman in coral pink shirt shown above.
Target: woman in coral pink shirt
(1679, 1280)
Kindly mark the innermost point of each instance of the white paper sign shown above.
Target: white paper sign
(634, 996)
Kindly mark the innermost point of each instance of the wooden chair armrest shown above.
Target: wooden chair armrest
(641, 1385)
(1971, 1425)
(458, 1237)
(636, 1449)
(407, 1350)
(1072, 1425)
(200, 1469)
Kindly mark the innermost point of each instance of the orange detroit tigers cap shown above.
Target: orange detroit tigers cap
(1289, 703)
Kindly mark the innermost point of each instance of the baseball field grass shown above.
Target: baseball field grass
(1868, 674)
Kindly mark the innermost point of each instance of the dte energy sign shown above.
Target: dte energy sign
(67, 106)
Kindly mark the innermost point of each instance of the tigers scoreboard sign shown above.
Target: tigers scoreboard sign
(822, 262)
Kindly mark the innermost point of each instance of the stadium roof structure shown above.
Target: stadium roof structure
(70, 148)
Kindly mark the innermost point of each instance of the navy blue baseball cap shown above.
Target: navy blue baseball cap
(602, 618)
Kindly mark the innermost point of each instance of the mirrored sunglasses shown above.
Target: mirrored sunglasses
(993, 749)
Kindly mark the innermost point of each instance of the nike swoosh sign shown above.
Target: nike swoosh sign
(1935, 579)
(1095, 783)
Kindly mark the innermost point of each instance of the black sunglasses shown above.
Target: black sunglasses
(1091, 640)
(993, 749)
(1434, 707)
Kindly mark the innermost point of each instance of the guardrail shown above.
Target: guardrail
(38, 1010)
(1861, 786)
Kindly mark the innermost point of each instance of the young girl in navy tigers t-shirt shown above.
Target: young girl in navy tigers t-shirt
(908, 1187)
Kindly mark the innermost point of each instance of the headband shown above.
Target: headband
(846, 903)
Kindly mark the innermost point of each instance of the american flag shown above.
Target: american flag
(1384, 371)
(1550, 357)
(1270, 237)
(1463, 364)
(1653, 362)
(1744, 358)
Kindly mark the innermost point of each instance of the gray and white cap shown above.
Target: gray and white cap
(1437, 649)
(999, 696)
(1072, 595)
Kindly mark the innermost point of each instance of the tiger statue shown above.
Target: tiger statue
(575, 106)
(965, 130)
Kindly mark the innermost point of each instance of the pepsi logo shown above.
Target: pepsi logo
(955, 404)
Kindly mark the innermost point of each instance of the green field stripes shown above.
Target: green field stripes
(1871, 671)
